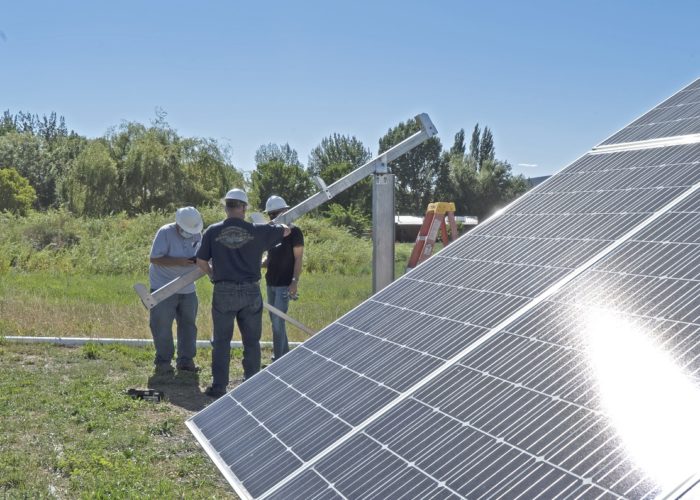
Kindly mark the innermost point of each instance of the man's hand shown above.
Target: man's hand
(204, 267)
(287, 231)
(293, 290)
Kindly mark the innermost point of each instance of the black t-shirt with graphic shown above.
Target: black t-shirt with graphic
(280, 259)
(235, 248)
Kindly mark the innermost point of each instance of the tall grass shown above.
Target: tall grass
(61, 242)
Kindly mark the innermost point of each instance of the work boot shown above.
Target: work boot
(188, 366)
(164, 369)
(214, 392)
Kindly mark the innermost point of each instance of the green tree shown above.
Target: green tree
(8, 123)
(16, 194)
(487, 151)
(159, 170)
(480, 183)
(90, 185)
(151, 178)
(274, 152)
(496, 187)
(209, 171)
(291, 182)
(444, 189)
(29, 155)
(335, 157)
(474, 144)
(459, 148)
(416, 171)
(463, 180)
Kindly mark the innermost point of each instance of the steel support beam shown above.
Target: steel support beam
(382, 231)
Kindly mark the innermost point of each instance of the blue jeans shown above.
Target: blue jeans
(183, 309)
(242, 302)
(278, 296)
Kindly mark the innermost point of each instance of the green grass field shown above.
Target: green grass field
(58, 305)
(68, 430)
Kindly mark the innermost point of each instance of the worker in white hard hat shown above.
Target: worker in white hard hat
(172, 255)
(283, 264)
(230, 254)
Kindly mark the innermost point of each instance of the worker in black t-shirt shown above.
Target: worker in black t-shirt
(283, 269)
(230, 254)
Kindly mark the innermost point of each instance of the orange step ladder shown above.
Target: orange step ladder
(433, 222)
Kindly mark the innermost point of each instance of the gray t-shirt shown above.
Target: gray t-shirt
(169, 243)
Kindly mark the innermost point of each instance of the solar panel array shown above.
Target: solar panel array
(493, 369)
(677, 116)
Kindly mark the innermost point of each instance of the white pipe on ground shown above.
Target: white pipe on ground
(132, 342)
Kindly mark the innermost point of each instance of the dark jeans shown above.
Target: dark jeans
(242, 302)
(278, 296)
(180, 307)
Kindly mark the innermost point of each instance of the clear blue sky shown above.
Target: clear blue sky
(550, 78)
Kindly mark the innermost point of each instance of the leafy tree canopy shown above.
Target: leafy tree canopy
(291, 182)
(335, 157)
(16, 194)
(274, 152)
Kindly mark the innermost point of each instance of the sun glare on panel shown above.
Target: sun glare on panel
(650, 400)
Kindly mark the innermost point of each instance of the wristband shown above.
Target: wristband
(294, 280)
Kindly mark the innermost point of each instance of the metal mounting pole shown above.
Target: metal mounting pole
(382, 231)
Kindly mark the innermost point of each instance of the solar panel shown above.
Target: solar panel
(678, 115)
(493, 369)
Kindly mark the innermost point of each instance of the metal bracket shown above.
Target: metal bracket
(426, 124)
(381, 166)
(322, 186)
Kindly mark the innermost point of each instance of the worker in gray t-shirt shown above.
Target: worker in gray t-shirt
(172, 255)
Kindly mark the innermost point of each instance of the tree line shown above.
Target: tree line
(135, 168)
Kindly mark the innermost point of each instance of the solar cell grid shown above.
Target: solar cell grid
(471, 376)
(676, 116)
(544, 353)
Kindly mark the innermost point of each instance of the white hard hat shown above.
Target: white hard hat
(275, 203)
(189, 219)
(237, 194)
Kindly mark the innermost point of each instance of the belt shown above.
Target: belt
(239, 282)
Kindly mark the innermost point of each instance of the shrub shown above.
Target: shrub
(16, 194)
(55, 231)
(349, 217)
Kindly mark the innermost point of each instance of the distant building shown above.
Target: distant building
(406, 227)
